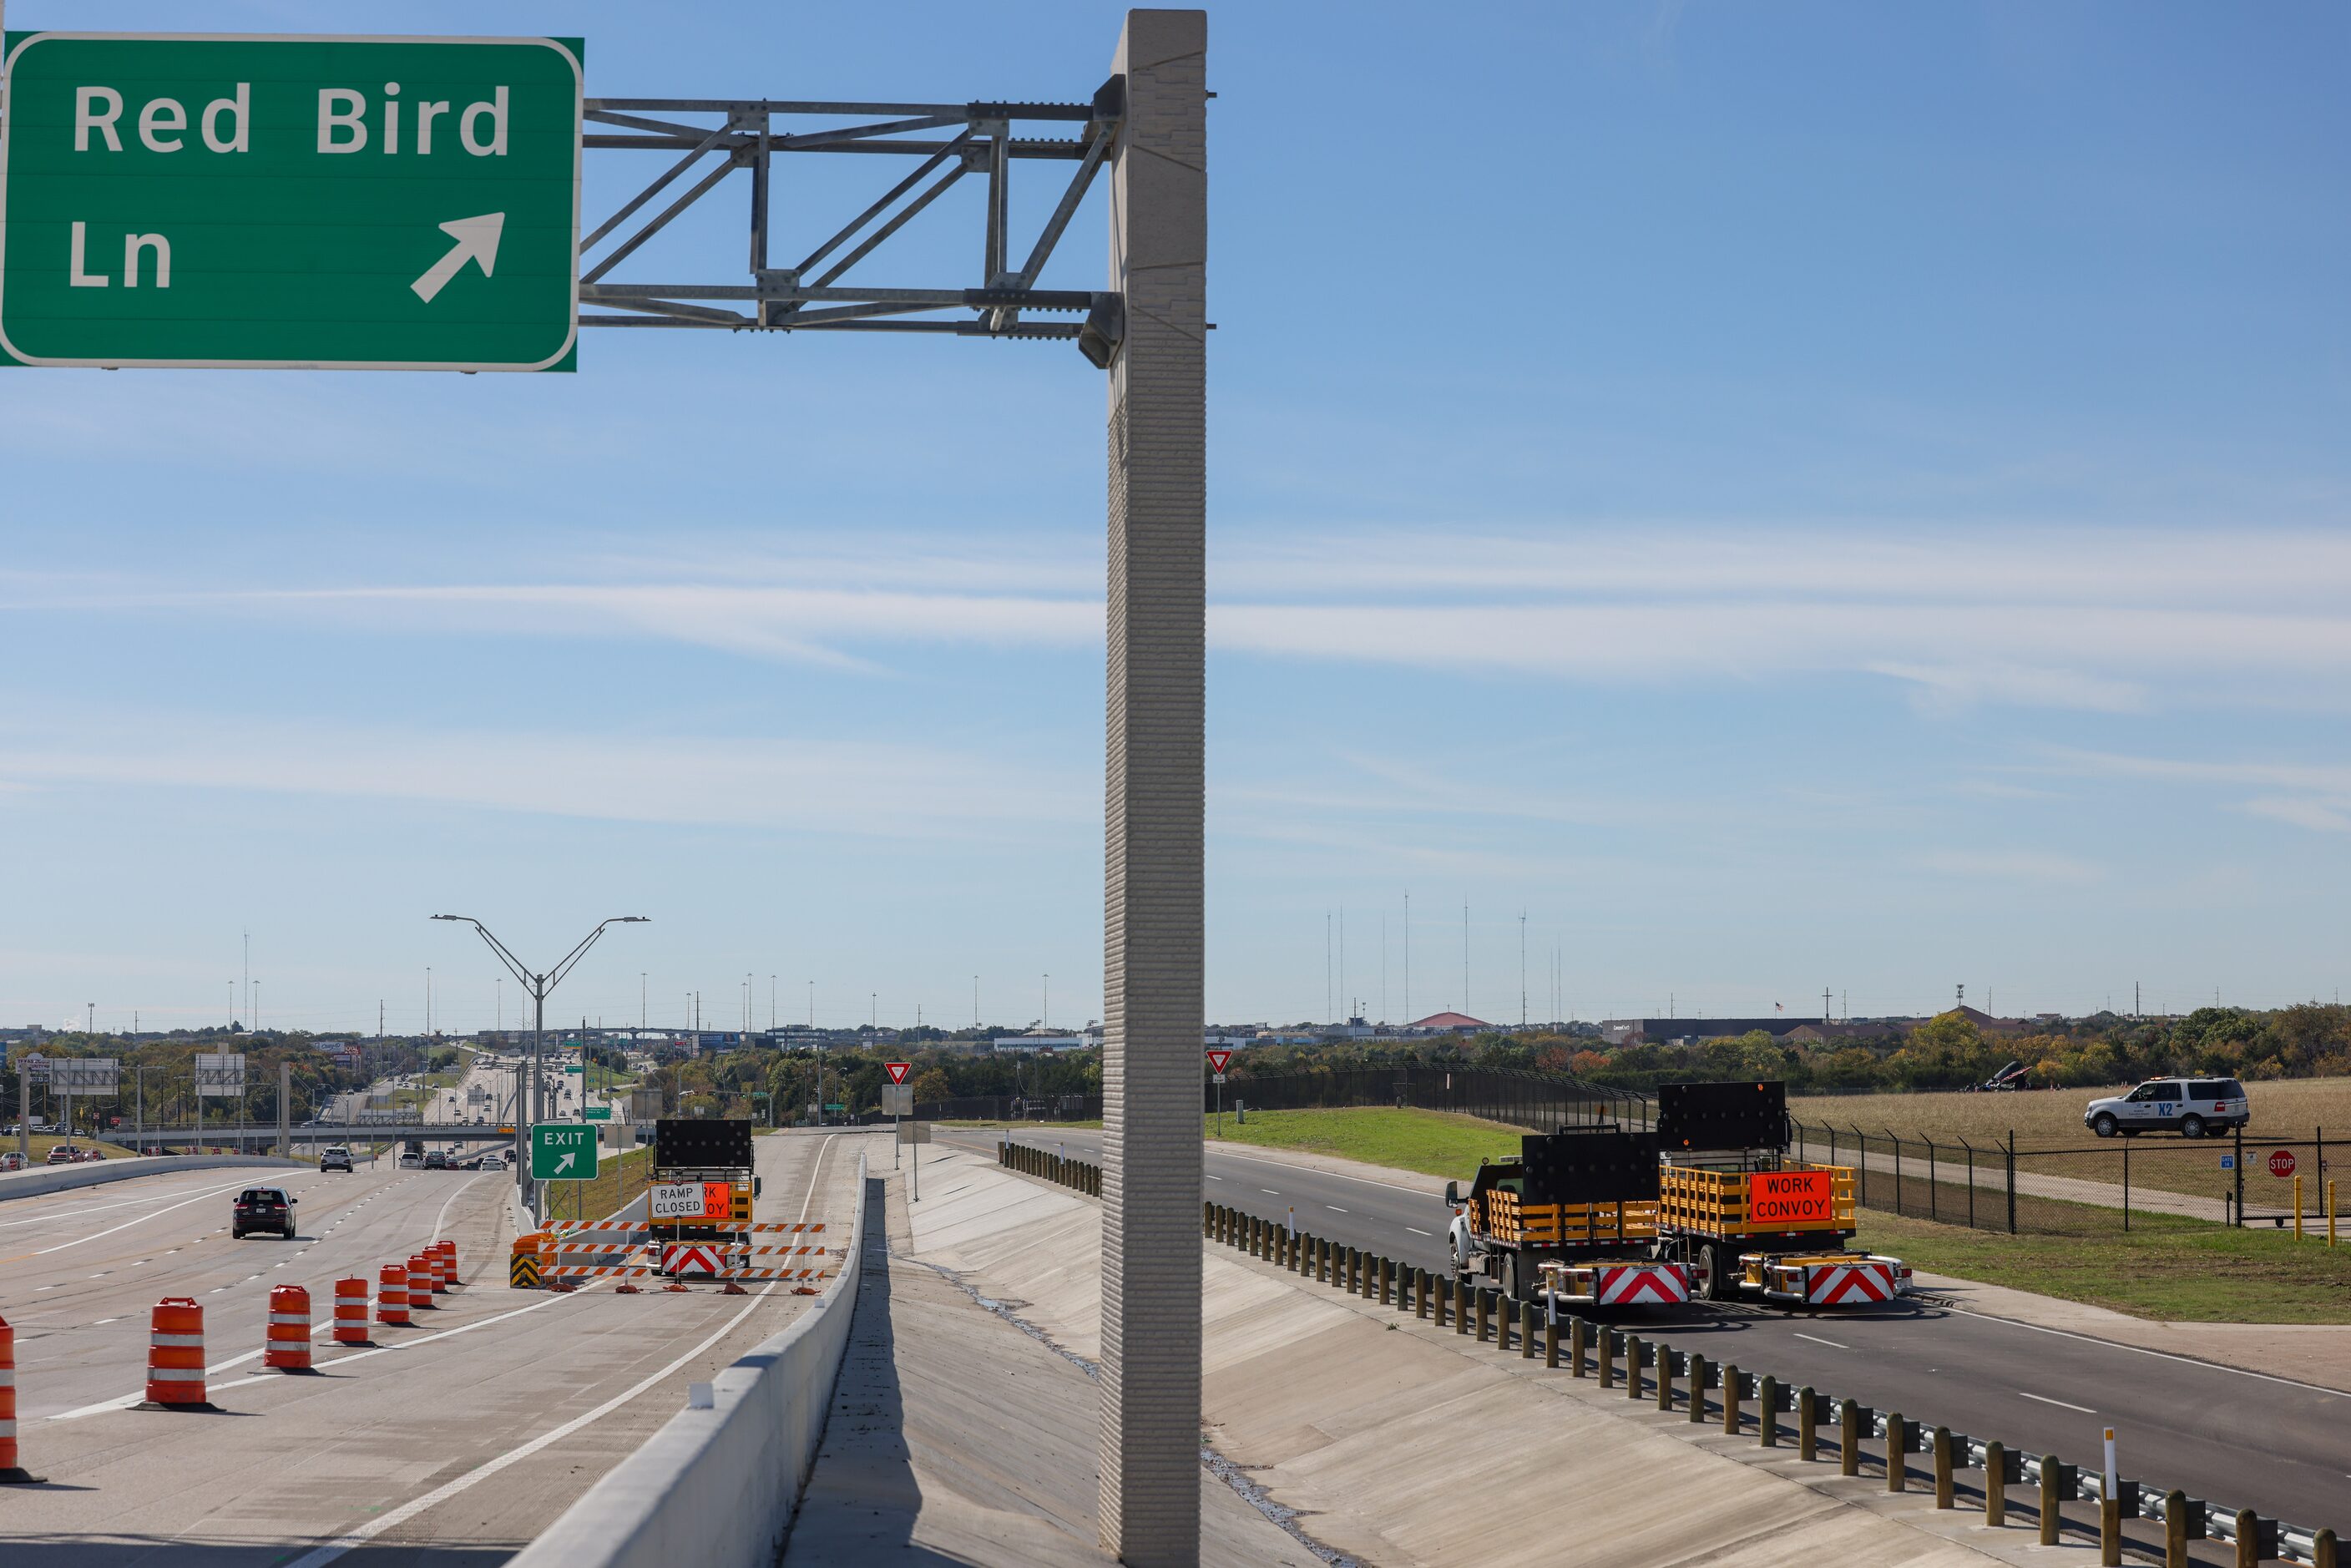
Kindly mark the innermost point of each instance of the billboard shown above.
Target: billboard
(83, 1075)
(220, 1073)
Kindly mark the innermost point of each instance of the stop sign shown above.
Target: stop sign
(2281, 1162)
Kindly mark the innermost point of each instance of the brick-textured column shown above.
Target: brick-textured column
(1153, 1002)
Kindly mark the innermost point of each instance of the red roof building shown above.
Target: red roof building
(1455, 1023)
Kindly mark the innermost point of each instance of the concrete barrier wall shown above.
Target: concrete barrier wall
(718, 1487)
(58, 1179)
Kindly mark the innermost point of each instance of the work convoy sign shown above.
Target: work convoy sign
(289, 202)
(1789, 1198)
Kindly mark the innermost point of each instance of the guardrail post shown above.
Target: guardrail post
(2321, 1550)
(1550, 1342)
(1578, 1346)
(2052, 1494)
(1372, 1262)
(1635, 1351)
(1390, 1291)
(1526, 1331)
(1995, 1484)
(1848, 1438)
(1898, 1452)
(1607, 1357)
(1420, 1295)
(2248, 1537)
(1767, 1413)
(2110, 1532)
(1485, 1315)
(1808, 1415)
(1731, 1379)
(1665, 1377)
(1943, 1490)
(1697, 1382)
(2175, 1528)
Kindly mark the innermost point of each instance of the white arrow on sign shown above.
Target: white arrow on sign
(563, 1165)
(478, 240)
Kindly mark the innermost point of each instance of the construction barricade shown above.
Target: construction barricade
(436, 1272)
(11, 1472)
(420, 1284)
(523, 1264)
(351, 1312)
(392, 1295)
(287, 1343)
(448, 1250)
(175, 1357)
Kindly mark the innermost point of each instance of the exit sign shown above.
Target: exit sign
(289, 202)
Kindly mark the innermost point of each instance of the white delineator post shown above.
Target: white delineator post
(1155, 787)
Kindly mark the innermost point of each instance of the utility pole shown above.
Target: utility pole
(1407, 954)
(1522, 969)
(1465, 954)
(1824, 1004)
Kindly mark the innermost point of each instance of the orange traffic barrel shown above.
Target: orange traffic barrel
(420, 1284)
(175, 1353)
(448, 1261)
(351, 1311)
(392, 1295)
(287, 1345)
(438, 1264)
(11, 1472)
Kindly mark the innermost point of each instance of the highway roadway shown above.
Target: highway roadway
(2280, 1447)
(457, 1440)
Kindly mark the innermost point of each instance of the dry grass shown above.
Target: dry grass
(2051, 1120)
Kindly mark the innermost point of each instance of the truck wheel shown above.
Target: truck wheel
(1511, 1278)
(2191, 1126)
(2104, 1125)
(1717, 1265)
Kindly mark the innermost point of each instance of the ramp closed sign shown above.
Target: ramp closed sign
(1789, 1198)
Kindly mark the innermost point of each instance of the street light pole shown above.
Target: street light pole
(536, 986)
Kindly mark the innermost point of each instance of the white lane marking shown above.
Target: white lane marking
(1317, 1170)
(95, 1235)
(98, 1208)
(103, 1322)
(1212, 1177)
(1334, 1209)
(2040, 1399)
(332, 1550)
(1269, 1192)
(1416, 1230)
(329, 1550)
(2142, 1350)
(1830, 1342)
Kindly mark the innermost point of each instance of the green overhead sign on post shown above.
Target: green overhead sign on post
(562, 1150)
(290, 203)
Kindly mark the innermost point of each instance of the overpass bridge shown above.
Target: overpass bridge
(319, 1134)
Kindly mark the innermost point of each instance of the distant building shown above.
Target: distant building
(342, 1053)
(1450, 1023)
(1037, 1040)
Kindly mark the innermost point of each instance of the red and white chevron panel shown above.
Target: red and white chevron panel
(682, 1257)
(1633, 1284)
(1836, 1284)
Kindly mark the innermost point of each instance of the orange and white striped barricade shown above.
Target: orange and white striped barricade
(420, 1284)
(351, 1312)
(392, 1295)
(287, 1343)
(448, 1262)
(11, 1472)
(175, 1357)
(436, 1270)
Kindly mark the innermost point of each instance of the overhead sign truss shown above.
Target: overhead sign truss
(814, 291)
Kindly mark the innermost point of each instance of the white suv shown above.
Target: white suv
(2193, 1106)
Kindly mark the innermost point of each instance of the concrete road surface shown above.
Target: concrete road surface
(2277, 1446)
(457, 1440)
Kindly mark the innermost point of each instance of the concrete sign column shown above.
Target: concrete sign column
(1155, 784)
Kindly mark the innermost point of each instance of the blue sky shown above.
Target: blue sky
(1818, 495)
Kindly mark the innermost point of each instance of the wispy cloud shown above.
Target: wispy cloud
(798, 786)
(2315, 796)
(2105, 622)
(2009, 866)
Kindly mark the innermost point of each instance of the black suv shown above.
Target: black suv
(263, 1209)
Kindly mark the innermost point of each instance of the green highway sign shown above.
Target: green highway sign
(562, 1150)
(289, 202)
(597, 1112)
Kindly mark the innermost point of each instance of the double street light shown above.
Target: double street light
(536, 986)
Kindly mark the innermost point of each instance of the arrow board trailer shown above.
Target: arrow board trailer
(1744, 1219)
(290, 203)
(1573, 1219)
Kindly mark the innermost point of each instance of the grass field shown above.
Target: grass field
(618, 1179)
(2052, 1120)
(2173, 1269)
(1435, 1143)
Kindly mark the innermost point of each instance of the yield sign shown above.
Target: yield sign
(898, 1071)
(1217, 1060)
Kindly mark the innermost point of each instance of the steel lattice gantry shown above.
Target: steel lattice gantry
(946, 142)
